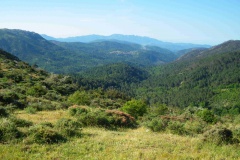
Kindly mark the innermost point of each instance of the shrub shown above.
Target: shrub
(236, 133)
(80, 98)
(161, 109)
(176, 128)
(157, 125)
(8, 130)
(11, 107)
(94, 118)
(106, 103)
(77, 110)
(120, 119)
(103, 118)
(135, 108)
(37, 90)
(21, 122)
(43, 134)
(68, 127)
(47, 124)
(3, 112)
(42, 104)
(53, 96)
(8, 96)
(207, 116)
(30, 110)
(219, 135)
(194, 127)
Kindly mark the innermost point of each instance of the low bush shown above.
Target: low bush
(177, 127)
(194, 127)
(31, 110)
(37, 90)
(207, 116)
(68, 127)
(94, 118)
(101, 117)
(236, 133)
(21, 122)
(157, 125)
(8, 130)
(80, 98)
(43, 134)
(219, 135)
(47, 124)
(40, 104)
(77, 110)
(53, 96)
(120, 119)
(159, 109)
(135, 108)
(3, 112)
(8, 96)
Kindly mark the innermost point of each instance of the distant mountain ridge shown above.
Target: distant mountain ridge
(122, 52)
(129, 38)
(63, 57)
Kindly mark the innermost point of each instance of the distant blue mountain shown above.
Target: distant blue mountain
(130, 38)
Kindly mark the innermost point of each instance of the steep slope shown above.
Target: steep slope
(129, 38)
(229, 46)
(184, 51)
(191, 54)
(111, 76)
(5, 55)
(34, 49)
(204, 78)
(24, 86)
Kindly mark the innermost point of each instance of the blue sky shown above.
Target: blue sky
(195, 21)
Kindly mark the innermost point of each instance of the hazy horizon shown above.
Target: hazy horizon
(180, 21)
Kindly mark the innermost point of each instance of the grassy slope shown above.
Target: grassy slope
(97, 143)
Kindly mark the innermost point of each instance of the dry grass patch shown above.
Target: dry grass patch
(43, 116)
(136, 144)
(102, 144)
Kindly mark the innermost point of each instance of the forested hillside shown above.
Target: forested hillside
(24, 86)
(69, 58)
(32, 48)
(207, 78)
(118, 76)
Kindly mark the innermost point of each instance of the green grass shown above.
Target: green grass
(99, 143)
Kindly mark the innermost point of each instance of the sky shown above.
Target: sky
(188, 21)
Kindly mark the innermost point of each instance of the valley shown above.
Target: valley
(117, 99)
